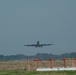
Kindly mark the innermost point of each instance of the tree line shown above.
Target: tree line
(41, 56)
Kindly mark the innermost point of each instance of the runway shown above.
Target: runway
(56, 69)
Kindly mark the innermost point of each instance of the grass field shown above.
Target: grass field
(21, 72)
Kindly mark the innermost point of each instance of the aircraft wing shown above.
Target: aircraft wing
(38, 45)
(46, 44)
(30, 45)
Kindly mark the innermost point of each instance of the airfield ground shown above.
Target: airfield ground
(20, 67)
(33, 65)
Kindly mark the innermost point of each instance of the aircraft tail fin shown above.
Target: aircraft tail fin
(38, 43)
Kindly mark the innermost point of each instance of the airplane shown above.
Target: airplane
(38, 45)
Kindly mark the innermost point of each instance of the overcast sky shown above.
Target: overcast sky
(28, 21)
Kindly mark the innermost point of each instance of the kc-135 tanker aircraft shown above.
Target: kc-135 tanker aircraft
(38, 45)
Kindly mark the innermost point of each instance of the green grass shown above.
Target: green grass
(20, 72)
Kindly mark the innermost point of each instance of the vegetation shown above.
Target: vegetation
(42, 56)
(21, 72)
